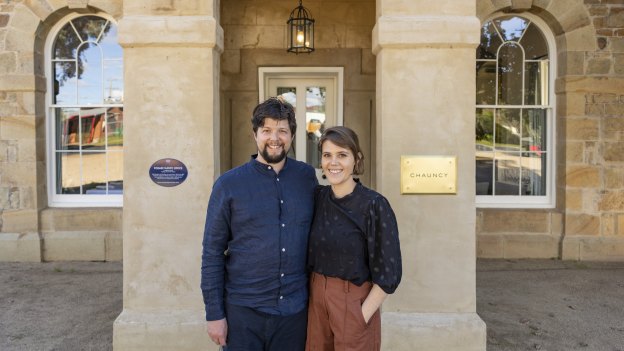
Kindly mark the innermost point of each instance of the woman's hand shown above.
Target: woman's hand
(373, 301)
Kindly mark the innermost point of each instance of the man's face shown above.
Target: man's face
(273, 140)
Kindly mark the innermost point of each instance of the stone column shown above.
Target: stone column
(425, 106)
(171, 57)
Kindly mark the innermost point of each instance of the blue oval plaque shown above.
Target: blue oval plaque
(168, 172)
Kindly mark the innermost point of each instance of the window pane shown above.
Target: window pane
(94, 173)
(290, 95)
(68, 175)
(113, 82)
(485, 162)
(510, 67)
(64, 82)
(114, 127)
(511, 27)
(534, 130)
(66, 43)
(508, 130)
(534, 44)
(534, 174)
(486, 82)
(92, 128)
(115, 172)
(315, 123)
(66, 128)
(90, 27)
(536, 83)
(485, 129)
(90, 74)
(507, 174)
(490, 41)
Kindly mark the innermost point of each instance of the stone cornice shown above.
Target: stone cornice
(400, 32)
(167, 31)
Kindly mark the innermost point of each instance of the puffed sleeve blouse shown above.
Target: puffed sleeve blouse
(355, 238)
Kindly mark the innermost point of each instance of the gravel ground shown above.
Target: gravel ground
(527, 305)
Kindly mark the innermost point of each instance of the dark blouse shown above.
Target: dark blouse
(355, 238)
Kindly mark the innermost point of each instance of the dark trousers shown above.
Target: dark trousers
(251, 330)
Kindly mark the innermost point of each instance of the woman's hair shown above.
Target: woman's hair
(345, 138)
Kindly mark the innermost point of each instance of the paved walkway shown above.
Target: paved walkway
(527, 305)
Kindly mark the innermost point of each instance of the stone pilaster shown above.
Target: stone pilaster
(425, 100)
(171, 59)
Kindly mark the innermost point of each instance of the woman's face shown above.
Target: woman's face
(337, 163)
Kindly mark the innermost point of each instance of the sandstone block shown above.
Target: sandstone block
(19, 174)
(18, 40)
(598, 10)
(246, 12)
(369, 62)
(113, 8)
(612, 128)
(85, 219)
(618, 64)
(614, 178)
(604, 98)
(620, 224)
(18, 127)
(255, 37)
(600, 248)
(575, 17)
(74, 246)
(617, 45)
(582, 128)
(574, 199)
(335, 13)
(582, 176)
(20, 221)
(8, 63)
(25, 20)
(41, 8)
(582, 224)
(574, 151)
(531, 246)
(614, 151)
(515, 221)
(616, 17)
(231, 61)
(26, 150)
(332, 36)
(114, 246)
(490, 246)
(20, 247)
(607, 224)
(556, 223)
(581, 39)
(17, 82)
(359, 37)
(4, 19)
(615, 109)
(612, 201)
(598, 66)
(574, 63)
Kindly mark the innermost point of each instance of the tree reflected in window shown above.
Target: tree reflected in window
(512, 92)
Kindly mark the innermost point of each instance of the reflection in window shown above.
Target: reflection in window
(512, 109)
(87, 108)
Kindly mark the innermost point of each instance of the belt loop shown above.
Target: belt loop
(346, 286)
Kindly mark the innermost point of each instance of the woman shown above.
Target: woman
(353, 253)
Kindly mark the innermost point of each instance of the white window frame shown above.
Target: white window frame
(67, 200)
(548, 200)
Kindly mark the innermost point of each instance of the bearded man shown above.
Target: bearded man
(253, 274)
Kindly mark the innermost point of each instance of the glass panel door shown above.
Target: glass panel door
(314, 100)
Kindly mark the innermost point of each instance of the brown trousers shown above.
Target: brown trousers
(335, 320)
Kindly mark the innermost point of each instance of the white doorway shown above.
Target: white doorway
(316, 94)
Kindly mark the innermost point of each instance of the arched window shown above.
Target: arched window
(85, 112)
(514, 114)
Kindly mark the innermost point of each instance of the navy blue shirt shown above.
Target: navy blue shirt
(256, 237)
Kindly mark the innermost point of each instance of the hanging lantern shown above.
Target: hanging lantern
(300, 31)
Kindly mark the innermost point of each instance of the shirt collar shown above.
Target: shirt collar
(264, 168)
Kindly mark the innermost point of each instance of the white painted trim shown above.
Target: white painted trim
(66, 200)
(548, 201)
(305, 72)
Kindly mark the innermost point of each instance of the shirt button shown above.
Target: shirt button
(281, 201)
(281, 275)
(278, 179)
(283, 249)
(283, 225)
(269, 167)
(281, 297)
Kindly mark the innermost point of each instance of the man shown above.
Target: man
(254, 279)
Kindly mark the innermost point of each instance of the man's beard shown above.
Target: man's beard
(273, 158)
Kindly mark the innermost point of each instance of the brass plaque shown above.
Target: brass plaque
(428, 174)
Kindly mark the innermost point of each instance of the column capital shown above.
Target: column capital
(167, 31)
(425, 31)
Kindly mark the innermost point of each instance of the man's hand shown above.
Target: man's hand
(217, 330)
